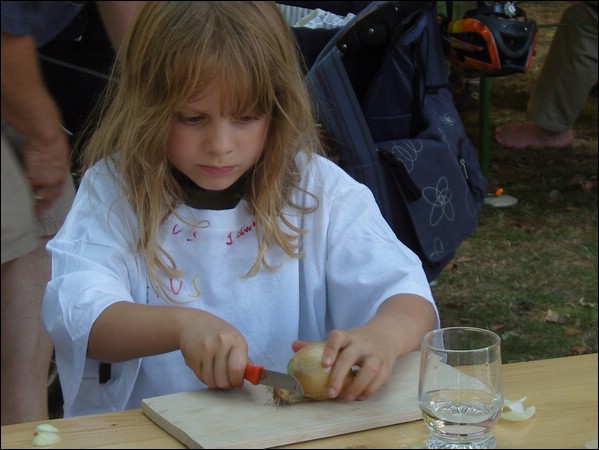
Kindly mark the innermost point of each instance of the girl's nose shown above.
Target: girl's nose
(221, 138)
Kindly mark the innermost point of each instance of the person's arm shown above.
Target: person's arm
(212, 348)
(117, 17)
(405, 318)
(396, 329)
(29, 108)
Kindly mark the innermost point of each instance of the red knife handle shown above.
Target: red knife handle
(253, 373)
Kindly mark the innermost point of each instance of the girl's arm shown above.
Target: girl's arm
(212, 348)
(395, 330)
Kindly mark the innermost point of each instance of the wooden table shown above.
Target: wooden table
(563, 390)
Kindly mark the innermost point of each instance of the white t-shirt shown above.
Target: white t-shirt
(352, 263)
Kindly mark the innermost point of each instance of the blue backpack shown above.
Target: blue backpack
(382, 94)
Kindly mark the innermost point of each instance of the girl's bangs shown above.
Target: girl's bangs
(242, 96)
(245, 87)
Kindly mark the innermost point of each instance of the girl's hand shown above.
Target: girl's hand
(374, 347)
(357, 347)
(368, 350)
(214, 350)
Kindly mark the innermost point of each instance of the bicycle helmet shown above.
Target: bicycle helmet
(494, 39)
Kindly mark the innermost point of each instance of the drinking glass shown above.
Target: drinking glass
(460, 387)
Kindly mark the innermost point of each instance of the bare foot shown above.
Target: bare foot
(528, 134)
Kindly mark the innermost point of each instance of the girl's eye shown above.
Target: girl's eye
(248, 118)
(190, 119)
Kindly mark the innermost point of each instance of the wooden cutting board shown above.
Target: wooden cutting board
(248, 418)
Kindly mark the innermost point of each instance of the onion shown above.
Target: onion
(306, 366)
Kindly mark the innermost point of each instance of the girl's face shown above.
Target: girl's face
(214, 150)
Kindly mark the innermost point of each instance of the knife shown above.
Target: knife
(260, 375)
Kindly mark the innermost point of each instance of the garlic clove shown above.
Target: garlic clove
(514, 411)
(515, 416)
(44, 438)
(46, 427)
(45, 434)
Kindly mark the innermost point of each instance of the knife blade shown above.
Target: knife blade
(260, 375)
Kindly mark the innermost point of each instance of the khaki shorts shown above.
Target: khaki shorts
(20, 228)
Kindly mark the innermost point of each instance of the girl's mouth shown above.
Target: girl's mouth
(217, 170)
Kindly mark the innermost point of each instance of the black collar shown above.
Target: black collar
(199, 198)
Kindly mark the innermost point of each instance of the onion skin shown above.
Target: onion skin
(306, 366)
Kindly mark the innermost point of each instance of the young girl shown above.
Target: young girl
(208, 233)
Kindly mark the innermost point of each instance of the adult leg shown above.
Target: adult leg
(567, 76)
(529, 134)
(26, 347)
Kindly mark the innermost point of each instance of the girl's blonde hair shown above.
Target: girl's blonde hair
(173, 51)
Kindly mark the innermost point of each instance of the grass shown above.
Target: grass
(529, 271)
